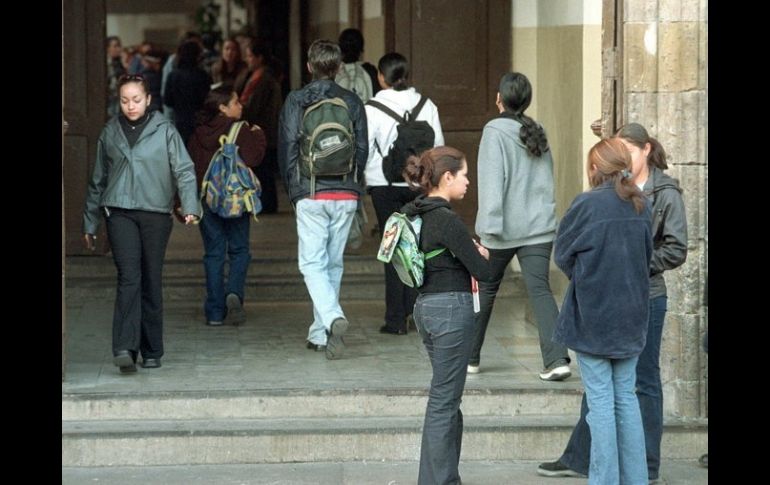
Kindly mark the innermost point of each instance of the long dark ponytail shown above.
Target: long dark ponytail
(516, 94)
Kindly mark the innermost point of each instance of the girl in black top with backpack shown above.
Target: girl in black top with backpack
(444, 312)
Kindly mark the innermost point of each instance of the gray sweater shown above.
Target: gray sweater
(516, 194)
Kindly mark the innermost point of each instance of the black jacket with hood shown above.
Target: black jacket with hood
(290, 133)
(443, 228)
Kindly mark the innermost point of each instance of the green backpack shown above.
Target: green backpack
(400, 245)
(328, 144)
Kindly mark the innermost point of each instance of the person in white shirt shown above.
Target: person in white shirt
(398, 96)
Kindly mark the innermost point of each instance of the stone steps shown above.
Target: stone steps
(232, 441)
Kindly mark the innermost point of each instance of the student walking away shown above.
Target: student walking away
(187, 87)
(517, 217)
(607, 231)
(443, 312)
(140, 163)
(352, 75)
(401, 122)
(322, 149)
(224, 237)
(669, 232)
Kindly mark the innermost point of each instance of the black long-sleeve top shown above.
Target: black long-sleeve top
(443, 228)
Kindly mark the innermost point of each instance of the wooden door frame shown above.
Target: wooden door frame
(613, 99)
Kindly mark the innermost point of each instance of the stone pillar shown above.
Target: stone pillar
(665, 89)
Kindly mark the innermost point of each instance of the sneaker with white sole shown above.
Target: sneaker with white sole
(473, 369)
(335, 346)
(236, 315)
(556, 373)
(557, 469)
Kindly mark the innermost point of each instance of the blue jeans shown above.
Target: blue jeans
(649, 392)
(322, 231)
(446, 324)
(220, 236)
(614, 420)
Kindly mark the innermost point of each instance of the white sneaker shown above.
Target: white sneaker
(556, 373)
(473, 369)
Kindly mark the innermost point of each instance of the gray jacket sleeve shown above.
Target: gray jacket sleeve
(491, 176)
(91, 215)
(670, 238)
(184, 173)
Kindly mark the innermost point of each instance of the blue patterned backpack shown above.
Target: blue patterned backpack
(229, 187)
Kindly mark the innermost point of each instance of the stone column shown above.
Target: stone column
(665, 89)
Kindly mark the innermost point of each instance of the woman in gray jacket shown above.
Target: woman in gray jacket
(141, 162)
(517, 216)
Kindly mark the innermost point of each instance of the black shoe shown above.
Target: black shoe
(392, 331)
(316, 347)
(557, 469)
(151, 363)
(125, 361)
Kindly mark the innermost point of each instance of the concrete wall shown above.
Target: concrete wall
(665, 89)
(557, 45)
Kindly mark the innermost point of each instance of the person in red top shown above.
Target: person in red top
(224, 303)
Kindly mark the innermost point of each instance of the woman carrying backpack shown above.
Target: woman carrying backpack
(140, 164)
(443, 312)
(396, 95)
(224, 303)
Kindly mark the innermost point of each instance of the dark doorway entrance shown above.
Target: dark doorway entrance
(456, 60)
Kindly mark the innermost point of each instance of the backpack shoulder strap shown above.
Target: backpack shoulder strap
(235, 129)
(386, 110)
(418, 106)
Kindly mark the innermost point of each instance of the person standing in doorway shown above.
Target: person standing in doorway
(443, 312)
(141, 162)
(352, 75)
(517, 217)
(325, 206)
(669, 232)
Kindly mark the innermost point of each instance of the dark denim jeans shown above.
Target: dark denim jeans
(445, 322)
(138, 239)
(224, 236)
(534, 261)
(649, 392)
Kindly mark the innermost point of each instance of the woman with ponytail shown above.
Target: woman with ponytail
(669, 238)
(517, 216)
(604, 246)
(443, 311)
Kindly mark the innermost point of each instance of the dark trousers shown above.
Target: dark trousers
(224, 238)
(649, 391)
(265, 172)
(138, 239)
(534, 261)
(445, 322)
(399, 298)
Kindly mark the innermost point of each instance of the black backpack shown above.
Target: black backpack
(414, 137)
